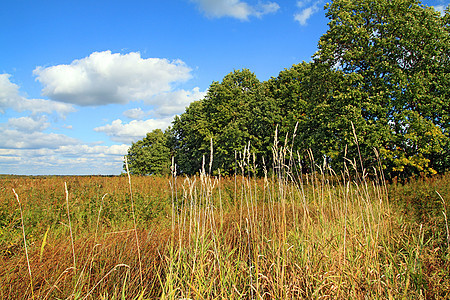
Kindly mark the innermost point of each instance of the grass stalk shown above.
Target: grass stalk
(70, 225)
(98, 217)
(54, 285)
(25, 244)
(44, 242)
(446, 221)
(103, 278)
(285, 236)
(134, 223)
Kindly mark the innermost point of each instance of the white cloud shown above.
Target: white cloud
(164, 107)
(303, 3)
(10, 159)
(10, 98)
(135, 113)
(103, 78)
(172, 103)
(133, 131)
(15, 139)
(117, 150)
(29, 124)
(303, 16)
(235, 8)
(66, 159)
(266, 8)
(86, 150)
(6, 152)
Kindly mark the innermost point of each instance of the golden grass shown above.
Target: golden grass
(287, 235)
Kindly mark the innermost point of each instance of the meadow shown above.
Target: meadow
(284, 235)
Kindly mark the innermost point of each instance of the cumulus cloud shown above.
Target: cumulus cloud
(97, 150)
(24, 149)
(305, 14)
(172, 103)
(164, 107)
(10, 98)
(133, 131)
(15, 139)
(104, 77)
(235, 8)
(135, 113)
(66, 159)
(29, 124)
(9, 159)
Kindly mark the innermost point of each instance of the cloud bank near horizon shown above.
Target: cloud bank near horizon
(152, 85)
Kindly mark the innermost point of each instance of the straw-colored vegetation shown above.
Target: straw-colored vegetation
(287, 235)
(282, 227)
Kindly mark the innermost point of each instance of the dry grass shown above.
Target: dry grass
(285, 236)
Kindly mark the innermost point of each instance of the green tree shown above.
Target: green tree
(151, 155)
(382, 68)
(234, 109)
(390, 64)
(233, 113)
(287, 93)
(190, 138)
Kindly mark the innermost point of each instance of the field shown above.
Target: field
(285, 235)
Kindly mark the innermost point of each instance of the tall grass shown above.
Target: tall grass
(25, 244)
(287, 235)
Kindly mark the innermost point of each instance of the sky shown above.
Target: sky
(81, 80)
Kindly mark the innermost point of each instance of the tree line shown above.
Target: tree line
(379, 80)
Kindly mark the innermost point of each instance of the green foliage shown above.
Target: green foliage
(305, 96)
(393, 61)
(233, 114)
(287, 93)
(151, 155)
(380, 79)
(190, 138)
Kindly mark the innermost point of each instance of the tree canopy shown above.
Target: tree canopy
(381, 71)
(392, 58)
(233, 114)
(151, 155)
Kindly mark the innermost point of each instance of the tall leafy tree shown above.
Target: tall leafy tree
(190, 138)
(234, 109)
(382, 69)
(151, 155)
(391, 62)
(287, 92)
(233, 113)
(305, 97)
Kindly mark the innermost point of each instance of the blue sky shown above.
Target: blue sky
(81, 80)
